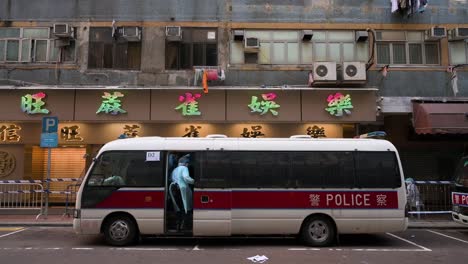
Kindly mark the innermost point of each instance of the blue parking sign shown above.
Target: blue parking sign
(49, 140)
(49, 124)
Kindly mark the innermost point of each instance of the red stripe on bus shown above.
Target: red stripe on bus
(219, 200)
(133, 199)
(297, 200)
(460, 198)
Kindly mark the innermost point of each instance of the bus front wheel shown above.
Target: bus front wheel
(120, 230)
(318, 231)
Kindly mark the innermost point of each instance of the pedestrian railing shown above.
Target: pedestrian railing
(22, 195)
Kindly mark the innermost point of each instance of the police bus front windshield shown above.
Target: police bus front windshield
(461, 175)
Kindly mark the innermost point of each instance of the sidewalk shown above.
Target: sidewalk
(56, 219)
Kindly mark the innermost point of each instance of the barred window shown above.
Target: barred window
(406, 48)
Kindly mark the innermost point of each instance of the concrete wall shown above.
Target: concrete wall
(306, 11)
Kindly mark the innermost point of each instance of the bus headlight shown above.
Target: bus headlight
(456, 208)
(76, 213)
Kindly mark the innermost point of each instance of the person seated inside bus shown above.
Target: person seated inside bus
(181, 176)
(109, 177)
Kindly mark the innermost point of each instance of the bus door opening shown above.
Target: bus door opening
(179, 193)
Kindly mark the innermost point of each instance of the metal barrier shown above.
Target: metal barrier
(435, 197)
(22, 195)
(29, 194)
(72, 189)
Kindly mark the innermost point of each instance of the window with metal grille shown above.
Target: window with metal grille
(108, 52)
(406, 48)
(197, 47)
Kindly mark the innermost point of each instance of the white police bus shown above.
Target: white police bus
(313, 188)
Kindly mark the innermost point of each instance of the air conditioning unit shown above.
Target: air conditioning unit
(435, 33)
(354, 71)
(251, 45)
(458, 34)
(325, 71)
(238, 35)
(132, 34)
(63, 30)
(306, 35)
(173, 33)
(61, 42)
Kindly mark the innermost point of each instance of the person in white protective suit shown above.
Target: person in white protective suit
(181, 176)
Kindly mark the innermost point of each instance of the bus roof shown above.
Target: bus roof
(252, 144)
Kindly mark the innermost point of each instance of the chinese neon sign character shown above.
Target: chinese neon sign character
(9, 133)
(316, 131)
(262, 107)
(32, 104)
(192, 131)
(256, 132)
(111, 104)
(70, 134)
(189, 104)
(131, 131)
(339, 103)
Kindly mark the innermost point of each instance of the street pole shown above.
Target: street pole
(47, 182)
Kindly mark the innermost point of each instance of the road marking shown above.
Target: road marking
(82, 248)
(144, 249)
(6, 229)
(299, 249)
(196, 248)
(412, 243)
(14, 232)
(389, 250)
(444, 235)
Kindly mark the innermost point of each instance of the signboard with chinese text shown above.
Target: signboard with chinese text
(360, 106)
(17, 105)
(112, 105)
(263, 106)
(187, 105)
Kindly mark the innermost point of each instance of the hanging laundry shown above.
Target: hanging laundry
(205, 82)
(212, 75)
(384, 71)
(394, 5)
(221, 75)
(423, 5)
(198, 76)
(454, 80)
(311, 79)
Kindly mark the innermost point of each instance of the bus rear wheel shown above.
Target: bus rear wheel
(318, 231)
(120, 230)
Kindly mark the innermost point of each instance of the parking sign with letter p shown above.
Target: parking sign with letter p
(49, 124)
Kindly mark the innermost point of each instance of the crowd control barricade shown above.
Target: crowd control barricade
(435, 198)
(72, 189)
(22, 195)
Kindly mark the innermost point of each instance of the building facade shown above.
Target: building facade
(110, 69)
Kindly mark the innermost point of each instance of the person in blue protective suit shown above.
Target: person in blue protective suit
(181, 176)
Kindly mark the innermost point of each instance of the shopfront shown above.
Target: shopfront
(88, 118)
